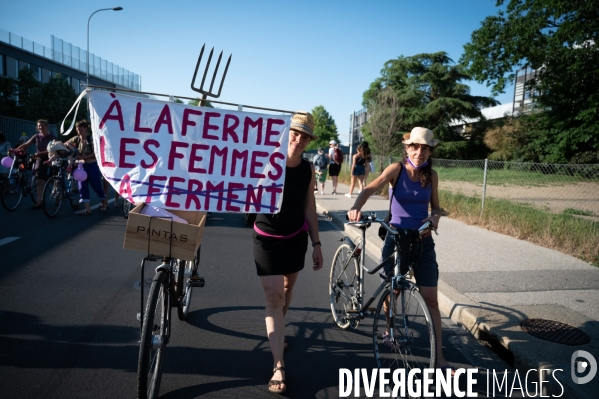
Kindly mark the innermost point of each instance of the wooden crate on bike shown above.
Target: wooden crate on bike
(182, 242)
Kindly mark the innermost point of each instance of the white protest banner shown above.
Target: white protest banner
(177, 156)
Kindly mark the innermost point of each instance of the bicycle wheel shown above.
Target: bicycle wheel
(126, 207)
(53, 196)
(153, 335)
(413, 345)
(33, 191)
(15, 189)
(69, 191)
(191, 268)
(343, 286)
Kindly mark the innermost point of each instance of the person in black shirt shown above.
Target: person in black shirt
(281, 242)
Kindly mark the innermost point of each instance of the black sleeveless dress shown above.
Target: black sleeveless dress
(276, 256)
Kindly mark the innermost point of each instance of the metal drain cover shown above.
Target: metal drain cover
(555, 331)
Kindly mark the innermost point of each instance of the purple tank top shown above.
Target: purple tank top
(410, 203)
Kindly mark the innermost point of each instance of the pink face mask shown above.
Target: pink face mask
(417, 167)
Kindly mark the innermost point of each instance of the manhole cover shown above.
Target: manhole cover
(147, 284)
(555, 331)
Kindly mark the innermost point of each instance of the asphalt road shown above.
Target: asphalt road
(69, 295)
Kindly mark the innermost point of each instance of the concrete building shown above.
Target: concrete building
(62, 58)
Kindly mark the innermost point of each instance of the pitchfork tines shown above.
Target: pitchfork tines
(201, 88)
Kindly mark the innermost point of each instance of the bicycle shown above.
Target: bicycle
(126, 207)
(19, 185)
(403, 330)
(171, 287)
(58, 188)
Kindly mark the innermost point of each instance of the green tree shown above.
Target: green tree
(430, 92)
(8, 105)
(381, 129)
(26, 85)
(324, 128)
(557, 38)
(52, 101)
(196, 103)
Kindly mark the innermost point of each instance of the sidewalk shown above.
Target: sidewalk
(489, 283)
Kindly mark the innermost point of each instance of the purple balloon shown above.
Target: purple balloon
(80, 175)
(7, 162)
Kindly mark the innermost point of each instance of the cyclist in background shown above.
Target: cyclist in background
(41, 141)
(413, 187)
(4, 148)
(84, 145)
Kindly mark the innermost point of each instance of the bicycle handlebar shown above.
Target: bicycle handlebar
(425, 228)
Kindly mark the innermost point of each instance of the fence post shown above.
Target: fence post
(482, 209)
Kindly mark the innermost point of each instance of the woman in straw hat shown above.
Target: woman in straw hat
(281, 242)
(417, 188)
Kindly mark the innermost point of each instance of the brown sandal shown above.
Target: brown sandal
(272, 383)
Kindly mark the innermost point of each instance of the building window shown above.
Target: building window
(36, 72)
(2, 68)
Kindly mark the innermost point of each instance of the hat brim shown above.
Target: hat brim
(432, 143)
(302, 130)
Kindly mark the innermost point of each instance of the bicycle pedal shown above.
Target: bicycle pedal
(352, 311)
(372, 310)
(196, 281)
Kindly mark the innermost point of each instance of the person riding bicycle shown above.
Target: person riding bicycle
(83, 143)
(413, 186)
(41, 141)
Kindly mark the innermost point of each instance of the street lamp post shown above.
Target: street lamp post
(90, 17)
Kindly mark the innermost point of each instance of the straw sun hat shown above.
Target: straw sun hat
(303, 122)
(421, 135)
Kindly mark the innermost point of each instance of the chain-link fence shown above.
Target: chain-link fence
(555, 188)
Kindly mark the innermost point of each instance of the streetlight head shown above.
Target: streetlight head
(117, 8)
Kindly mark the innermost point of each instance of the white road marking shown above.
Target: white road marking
(7, 240)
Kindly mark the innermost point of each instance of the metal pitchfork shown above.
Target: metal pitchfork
(206, 93)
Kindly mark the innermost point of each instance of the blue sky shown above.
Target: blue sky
(286, 55)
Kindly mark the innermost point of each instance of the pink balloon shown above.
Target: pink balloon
(7, 162)
(80, 175)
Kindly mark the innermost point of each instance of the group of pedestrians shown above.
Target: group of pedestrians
(82, 146)
(281, 240)
(331, 162)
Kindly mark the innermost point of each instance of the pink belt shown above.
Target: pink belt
(262, 233)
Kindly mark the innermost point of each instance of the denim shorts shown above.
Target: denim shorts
(426, 271)
(359, 170)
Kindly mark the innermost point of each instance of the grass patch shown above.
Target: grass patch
(572, 211)
(562, 232)
(511, 176)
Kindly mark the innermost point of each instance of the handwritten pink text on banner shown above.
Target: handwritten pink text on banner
(181, 157)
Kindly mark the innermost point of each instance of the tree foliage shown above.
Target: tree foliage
(324, 128)
(51, 101)
(559, 39)
(431, 93)
(8, 105)
(381, 129)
